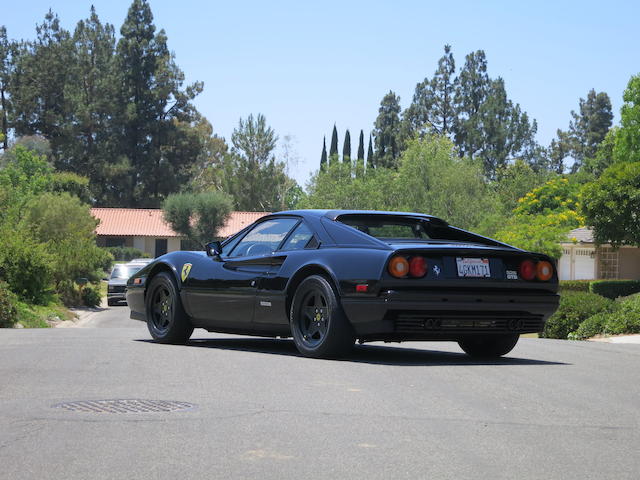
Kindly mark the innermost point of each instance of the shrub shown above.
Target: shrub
(624, 319)
(8, 312)
(126, 254)
(591, 327)
(615, 288)
(69, 293)
(91, 296)
(25, 265)
(575, 308)
(575, 285)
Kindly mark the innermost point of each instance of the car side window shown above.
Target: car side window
(299, 238)
(264, 238)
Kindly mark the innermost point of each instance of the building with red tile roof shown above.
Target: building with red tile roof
(146, 230)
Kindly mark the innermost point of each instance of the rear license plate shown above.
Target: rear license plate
(473, 267)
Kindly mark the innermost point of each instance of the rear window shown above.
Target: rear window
(396, 228)
(388, 228)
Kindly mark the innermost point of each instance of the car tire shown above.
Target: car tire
(166, 319)
(493, 346)
(111, 302)
(319, 326)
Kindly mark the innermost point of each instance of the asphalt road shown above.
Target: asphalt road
(550, 410)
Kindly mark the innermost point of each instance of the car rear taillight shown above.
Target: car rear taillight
(417, 267)
(527, 270)
(544, 271)
(398, 267)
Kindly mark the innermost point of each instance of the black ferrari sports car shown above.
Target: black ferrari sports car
(330, 277)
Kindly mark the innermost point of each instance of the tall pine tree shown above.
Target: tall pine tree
(386, 131)
(371, 159)
(432, 109)
(156, 113)
(589, 126)
(39, 84)
(471, 93)
(91, 137)
(6, 68)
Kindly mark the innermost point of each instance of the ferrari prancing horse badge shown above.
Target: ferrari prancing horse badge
(186, 268)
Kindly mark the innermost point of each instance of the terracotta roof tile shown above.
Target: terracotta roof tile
(148, 222)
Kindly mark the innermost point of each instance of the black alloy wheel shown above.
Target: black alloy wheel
(318, 324)
(166, 319)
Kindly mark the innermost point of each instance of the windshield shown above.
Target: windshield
(124, 271)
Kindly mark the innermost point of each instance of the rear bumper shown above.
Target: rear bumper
(398, 315)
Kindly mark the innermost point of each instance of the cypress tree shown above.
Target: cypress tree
(370, 156)
(346, 148)
(333, 150)
(361, 146)
(323, 157)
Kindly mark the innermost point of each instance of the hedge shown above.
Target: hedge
(623, 319)
(614, 288)
(575, 285)
(575, 308)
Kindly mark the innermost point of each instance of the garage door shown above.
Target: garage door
(584, 264)
(564, 265)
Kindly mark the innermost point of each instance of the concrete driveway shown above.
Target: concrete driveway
(550, 410)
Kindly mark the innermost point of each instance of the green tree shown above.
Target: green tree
(433, 179)
(323, 157)
(346, 148)
(197, 216)
(333, 149)
(604, 156)
(432, 109)
(370, 155)
(38, 84)
(65, 225)
(90, 91)
(627, 142)
(471, 93)
(611, 203)
(386, 132)
(506, 130)
(156, 113)
(360, 156)
(589, 126)
(514, 181)
(6, 69)
(252, 175)
(337, 187)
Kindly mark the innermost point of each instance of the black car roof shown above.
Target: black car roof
(333, 214)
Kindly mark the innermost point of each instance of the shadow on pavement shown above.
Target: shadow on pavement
(374, 354)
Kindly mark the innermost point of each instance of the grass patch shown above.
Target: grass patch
(36, 316)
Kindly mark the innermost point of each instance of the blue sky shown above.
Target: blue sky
(309, 65)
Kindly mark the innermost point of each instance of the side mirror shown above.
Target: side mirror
(214, 249)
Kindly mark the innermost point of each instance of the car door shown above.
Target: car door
(224, 291)
(271, 296)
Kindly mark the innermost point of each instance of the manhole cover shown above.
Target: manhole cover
(125, 406)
